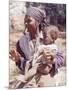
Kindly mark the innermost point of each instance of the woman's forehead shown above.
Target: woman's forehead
(27, 18)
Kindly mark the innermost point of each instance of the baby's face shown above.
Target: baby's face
(47, 40)
(50, 35)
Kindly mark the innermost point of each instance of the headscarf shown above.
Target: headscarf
(38, 14)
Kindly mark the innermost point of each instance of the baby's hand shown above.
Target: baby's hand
(14, 55)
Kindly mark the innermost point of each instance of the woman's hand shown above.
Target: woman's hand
(14, 55)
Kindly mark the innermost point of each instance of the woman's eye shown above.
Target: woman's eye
(28, 21)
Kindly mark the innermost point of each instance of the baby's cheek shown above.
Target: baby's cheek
(48, 40)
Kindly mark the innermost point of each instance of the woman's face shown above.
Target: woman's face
(30, 24)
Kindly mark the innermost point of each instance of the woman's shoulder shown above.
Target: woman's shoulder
(24, 36)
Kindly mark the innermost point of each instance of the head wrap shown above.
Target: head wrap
(36, 13)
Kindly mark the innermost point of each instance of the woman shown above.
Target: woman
(34, 22)
(48, 57)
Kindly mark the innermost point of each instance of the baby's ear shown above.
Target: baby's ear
(54, 34)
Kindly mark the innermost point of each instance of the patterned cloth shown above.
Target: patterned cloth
(36, 13)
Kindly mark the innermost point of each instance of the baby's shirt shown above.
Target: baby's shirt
(47, 48)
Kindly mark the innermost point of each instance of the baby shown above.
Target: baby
(47, 59)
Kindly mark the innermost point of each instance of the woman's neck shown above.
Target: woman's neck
(33, 36)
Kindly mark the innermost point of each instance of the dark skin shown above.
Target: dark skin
(50, 35)
(14, 55)
(31, 26)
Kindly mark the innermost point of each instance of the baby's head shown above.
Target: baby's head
(50, 34)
